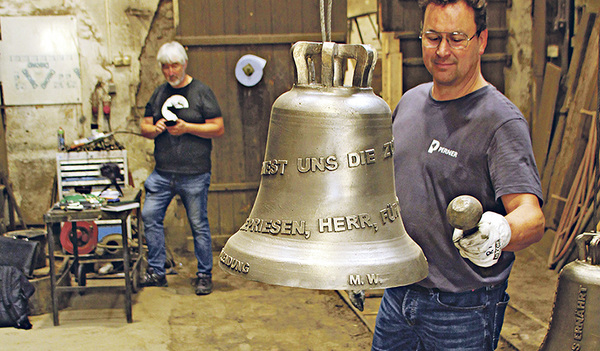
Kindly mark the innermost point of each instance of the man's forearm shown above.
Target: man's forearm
(212, 128)
(148, 129)
(527, 224)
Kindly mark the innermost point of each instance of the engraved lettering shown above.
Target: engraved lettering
(276, 227)
(314, 164)
(370, 156)
(579, 315)
(354, 279)
(331, 163)
(325, 223)
(245, 225)
(273, 167)
(283, 163)
(340, 224)
(302, 166)
(390, 213)
(317, 164)
(256, 225)
(234, 264)
(373, 279)
(352, 222)
(286, 227)
(353, 159)
(388, 149)
(299, 228)
(365, 220)
(365, 157)
(266, 228)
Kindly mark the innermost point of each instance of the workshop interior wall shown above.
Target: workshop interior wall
(109, 30)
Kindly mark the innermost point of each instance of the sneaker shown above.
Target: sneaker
(203, 284)
(153, 279)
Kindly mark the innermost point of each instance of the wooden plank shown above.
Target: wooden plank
(580, 43)
(391, 59)
(538, 49)
(255, 39)
(544, 117)
(575, 136)
(217, 34)
(580, 46)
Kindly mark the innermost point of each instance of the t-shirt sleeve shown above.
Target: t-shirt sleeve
(211, 108)
(511, 161)
(149, 112)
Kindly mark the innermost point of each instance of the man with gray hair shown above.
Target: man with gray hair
(182, 116)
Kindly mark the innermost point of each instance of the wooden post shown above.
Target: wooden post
(391, 69)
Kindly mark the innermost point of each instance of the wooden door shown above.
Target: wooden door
(217, 33)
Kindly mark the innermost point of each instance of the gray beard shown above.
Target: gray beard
(176, 83)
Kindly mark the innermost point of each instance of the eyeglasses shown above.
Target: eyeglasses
(457, 40)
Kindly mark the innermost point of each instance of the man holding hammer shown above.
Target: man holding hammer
(454, 136)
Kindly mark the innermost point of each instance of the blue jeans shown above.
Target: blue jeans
(193, 189)
(421, 319)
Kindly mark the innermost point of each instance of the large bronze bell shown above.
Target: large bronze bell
(326, 214)
(576, 313)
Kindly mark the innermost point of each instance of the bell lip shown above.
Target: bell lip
(285, 262)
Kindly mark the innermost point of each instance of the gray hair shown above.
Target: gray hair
(171, 52)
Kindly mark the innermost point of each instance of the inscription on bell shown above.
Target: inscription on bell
(390, 213)
(358, 280)
(340, 224)
(233, 263)
(276, 227)
(273, 167)
(314, 164)
(579, 318)
(364, 157)
(388, 149)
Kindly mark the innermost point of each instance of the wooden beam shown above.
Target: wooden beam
(255, 39)
(574, 140)
(542, 122)
(391, 69)
(538, 49)
(233, 186)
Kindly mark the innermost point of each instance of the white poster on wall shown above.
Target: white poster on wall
(39, 63)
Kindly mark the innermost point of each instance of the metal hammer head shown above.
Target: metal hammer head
(464, 212)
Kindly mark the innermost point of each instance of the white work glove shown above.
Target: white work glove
(484, 246)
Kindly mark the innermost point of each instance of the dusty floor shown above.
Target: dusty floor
(244, 315)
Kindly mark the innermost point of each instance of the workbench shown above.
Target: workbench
(53, 219)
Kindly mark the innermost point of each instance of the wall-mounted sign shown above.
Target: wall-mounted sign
(39, 60)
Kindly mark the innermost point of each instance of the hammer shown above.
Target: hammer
(464, 212)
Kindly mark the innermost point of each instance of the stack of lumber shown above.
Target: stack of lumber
(561, 138)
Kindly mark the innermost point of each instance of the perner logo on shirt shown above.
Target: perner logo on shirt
(436, 147)
(171, 105)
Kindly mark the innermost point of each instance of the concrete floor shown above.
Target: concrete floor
(244, 315)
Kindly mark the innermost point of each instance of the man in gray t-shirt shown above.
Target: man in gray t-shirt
(458, 136)
(182, 116)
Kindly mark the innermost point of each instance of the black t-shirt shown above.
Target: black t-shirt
(477, 145)
(194, 103)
